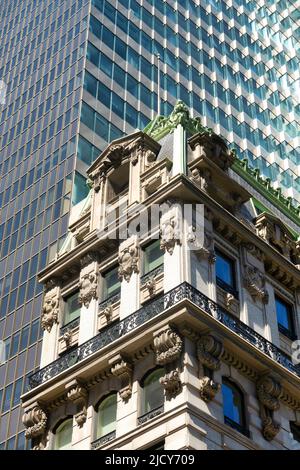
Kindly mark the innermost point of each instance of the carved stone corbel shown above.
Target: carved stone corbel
(123, 369)
(151, 286)
(254, 282)
(268, 393)
(77, 393)
(128, 261)
(35, 420)
(209, 351)
(208, 388)
(51, 305)
(171, 383)
(204, 250)
(88, 282)
(167, 345)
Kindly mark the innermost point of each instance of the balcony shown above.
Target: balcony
(151, 310)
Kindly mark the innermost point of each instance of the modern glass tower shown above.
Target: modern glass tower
(81, 73)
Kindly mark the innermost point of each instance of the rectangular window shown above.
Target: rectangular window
(284, 314)
(225, 273)
(72, 308)
(111, 283)
(153, 256)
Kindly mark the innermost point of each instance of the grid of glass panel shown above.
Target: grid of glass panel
(80, 73)
(234, 63)
(41, 62)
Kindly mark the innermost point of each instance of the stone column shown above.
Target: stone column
(50, 322)
(88, 296)
(129, 276)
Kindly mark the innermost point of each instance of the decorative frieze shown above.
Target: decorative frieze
(35, 421)
(254, 282)
(123, 369)
(50, 314)
(88, 281)
(77, 393)
(167, 345)
(128, 261)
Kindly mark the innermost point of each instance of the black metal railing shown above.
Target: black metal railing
(152, 309)
(110, 300)
(70, 326)
(103, 440)
(151, 414)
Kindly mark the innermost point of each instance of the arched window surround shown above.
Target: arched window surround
(145, 406)
(111, 429)
(58, 427)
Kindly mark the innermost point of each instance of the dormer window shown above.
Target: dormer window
(118, 182)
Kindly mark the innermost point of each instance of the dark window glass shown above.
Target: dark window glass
(284, 317)
(233, 406)
(295, 430)
(72, 308)
(152, 392)
(225, 272)
(111, 283)
(153, 256)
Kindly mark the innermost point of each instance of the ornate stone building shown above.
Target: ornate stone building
(170, 340)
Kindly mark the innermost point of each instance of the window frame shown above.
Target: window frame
(142, 404)
(65, 304)
(111, 394)
(58, 428)
(291, 331)
(104, 290)
(232, 289)
(146, 271)
(243, 426)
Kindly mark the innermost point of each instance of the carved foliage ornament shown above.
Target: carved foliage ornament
(50, 307)
(170, 229)
(35, 420)
(209, 351)
(167, 346)
(128, 261)
(255, 281)
(171, 383)
(88, 282)
(208, 389)
(268, 393)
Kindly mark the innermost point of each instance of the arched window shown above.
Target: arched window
(63, 435)
(233, 406)
(152, 391)
(107, 416)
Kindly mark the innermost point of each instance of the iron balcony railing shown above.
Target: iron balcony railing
(103, 440)
(152, 309)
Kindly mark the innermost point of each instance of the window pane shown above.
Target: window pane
(112, 283)
(153, 256)
(283, 312)
(107, 415)
(224, 269)
(153, 395)
(63, 436)
(232, 403)
(72, 308)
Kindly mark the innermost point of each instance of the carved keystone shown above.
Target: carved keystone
(35, 420)
(122, 368)
(77, 393)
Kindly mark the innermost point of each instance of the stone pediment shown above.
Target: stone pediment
(276, 233)
(209, 170)
(127, 148)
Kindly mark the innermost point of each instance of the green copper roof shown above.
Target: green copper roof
(162, 126)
